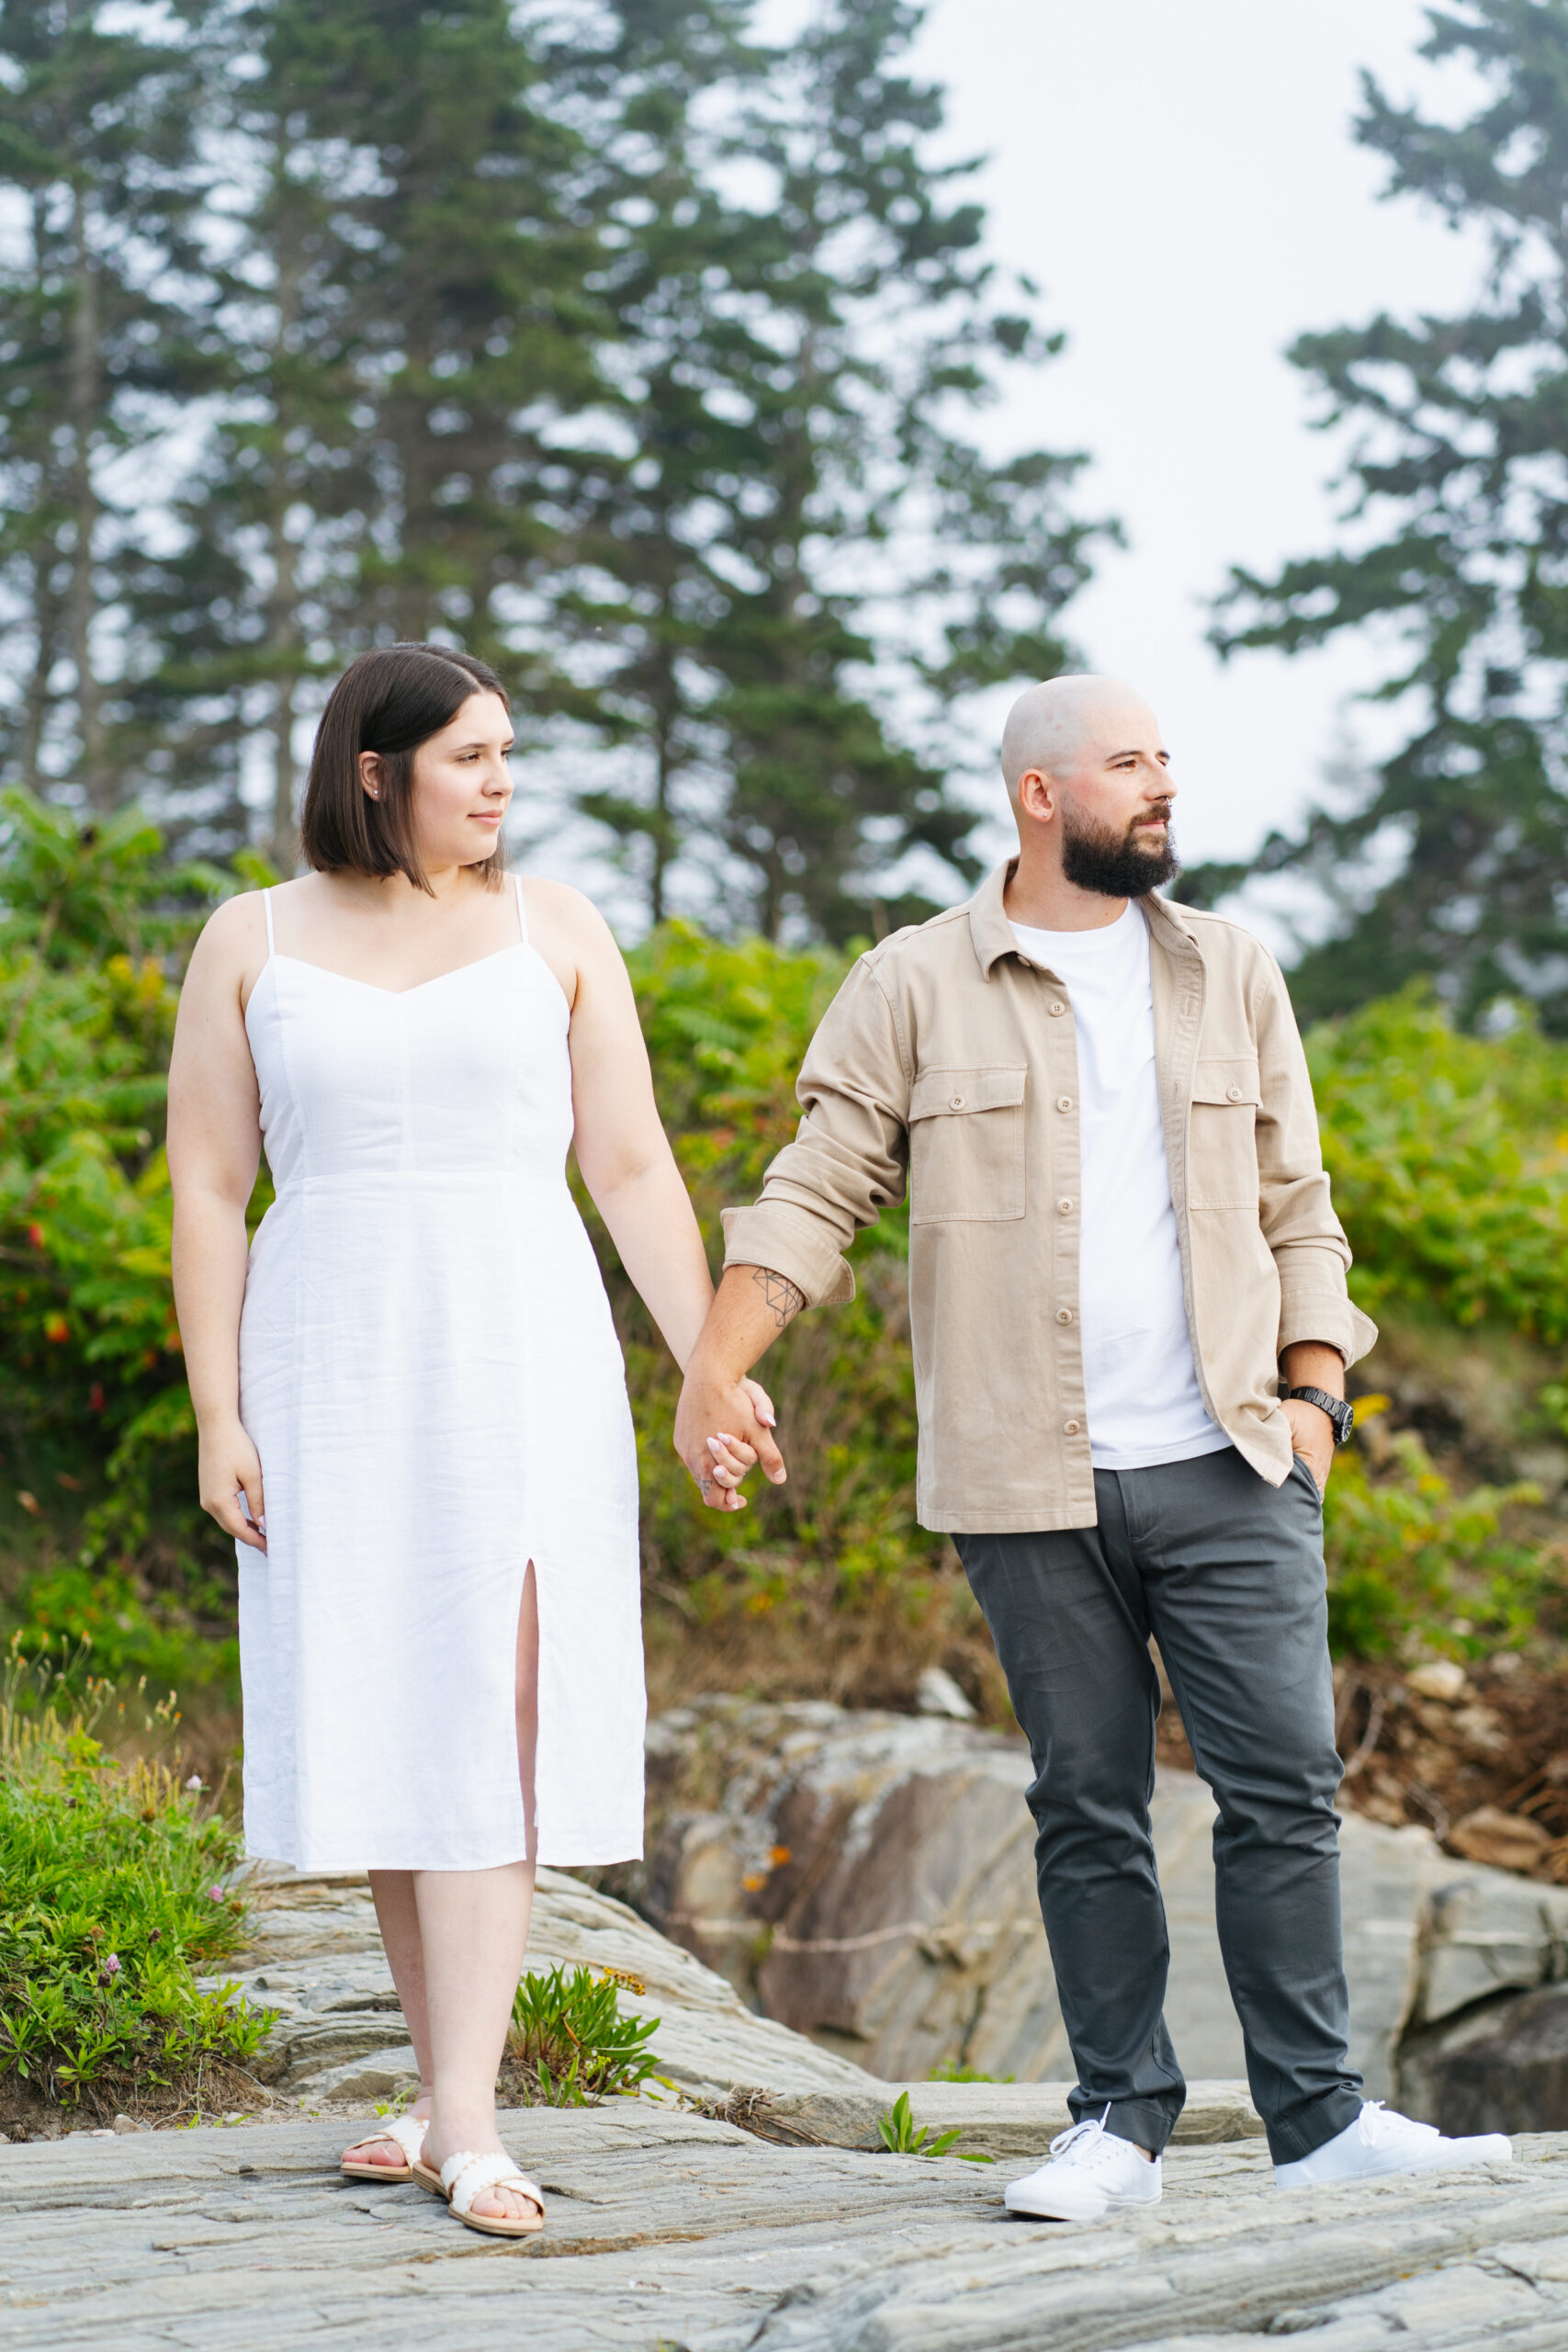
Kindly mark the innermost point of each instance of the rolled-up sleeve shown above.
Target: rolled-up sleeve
(1295, 1210)
(849, 1157)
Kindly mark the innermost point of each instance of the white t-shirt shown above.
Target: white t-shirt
(1142, 1390)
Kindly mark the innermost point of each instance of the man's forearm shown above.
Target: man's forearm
(1311, 1364)
(754, 1305)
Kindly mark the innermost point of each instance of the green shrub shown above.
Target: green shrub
(96, 1434)
(101, 1621)
(1408, 1559)
(1449, 1160)
(727, 1026)
(113, 1893)
(570, 2043)
(1449, 1155)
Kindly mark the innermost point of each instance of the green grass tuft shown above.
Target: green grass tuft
(114, 1892)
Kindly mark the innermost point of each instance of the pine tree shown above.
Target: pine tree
(795, 507)
(404, 325)
(466, 284)
(471, 330)
(99, 142)
(1457, 531)
(261, 589)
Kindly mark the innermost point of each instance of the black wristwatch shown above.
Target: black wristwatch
(1342, 1415)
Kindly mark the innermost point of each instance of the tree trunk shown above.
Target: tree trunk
(666, 704)
(282, 617)
(284, 772)
(81, 604)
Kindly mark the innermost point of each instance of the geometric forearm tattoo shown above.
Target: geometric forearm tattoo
(781, 1294)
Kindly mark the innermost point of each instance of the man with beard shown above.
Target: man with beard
(1129, 1329)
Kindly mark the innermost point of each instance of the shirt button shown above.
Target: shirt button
(1069, 1428)
(1063, 1101)
(1058, 1008)
(957, 1102)
(1064, 1208)
(1064, 1314)
(1233, 1094)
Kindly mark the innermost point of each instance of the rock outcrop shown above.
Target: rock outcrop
(318, 1965)
(1495, 2067)
(869, 1880)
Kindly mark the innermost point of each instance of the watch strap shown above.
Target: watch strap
(1338, 1410)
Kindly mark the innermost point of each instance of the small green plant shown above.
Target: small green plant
(570, 2043)
(115, 1890)
(900, 2138)
(950, 2071)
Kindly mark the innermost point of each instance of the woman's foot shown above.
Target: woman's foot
(488, 2204)
(384, 2152)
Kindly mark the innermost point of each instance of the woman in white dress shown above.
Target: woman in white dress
(409, 1398)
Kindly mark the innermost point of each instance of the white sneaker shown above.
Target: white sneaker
(1378, 2142)
(1089, 2172)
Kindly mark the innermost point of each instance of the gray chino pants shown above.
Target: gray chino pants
(1226, 1572)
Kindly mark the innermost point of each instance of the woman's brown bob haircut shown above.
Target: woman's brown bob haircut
(389, 701)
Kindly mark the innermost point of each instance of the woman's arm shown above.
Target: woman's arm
(622, 1148)
(214, 1149)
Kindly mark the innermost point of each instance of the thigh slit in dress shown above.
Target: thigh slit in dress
(431, 1375)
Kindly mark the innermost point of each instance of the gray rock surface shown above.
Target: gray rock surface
(671, 2231)
(666, 2230)
(1014, 2121)
(869, 1879)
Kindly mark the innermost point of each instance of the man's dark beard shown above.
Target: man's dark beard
(1119, 865)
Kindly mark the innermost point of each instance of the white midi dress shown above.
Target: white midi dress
(431, 1375)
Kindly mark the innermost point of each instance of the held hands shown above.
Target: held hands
(723, 1429)
(230, 1476)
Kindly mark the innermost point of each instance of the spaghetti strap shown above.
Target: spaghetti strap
(267, 908)
(521, 916)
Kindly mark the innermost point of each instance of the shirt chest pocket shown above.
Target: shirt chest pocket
(1222, 1163)
(966, 1146)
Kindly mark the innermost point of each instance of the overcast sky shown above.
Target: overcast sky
(1183, 182)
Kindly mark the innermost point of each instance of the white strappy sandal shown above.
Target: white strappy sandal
(407, 2134)
(464, 2177)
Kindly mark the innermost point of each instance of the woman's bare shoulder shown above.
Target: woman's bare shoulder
(569, 911)
(233, 943)
(239, 924)
(233, 929)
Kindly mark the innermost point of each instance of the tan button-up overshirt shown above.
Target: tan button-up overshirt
(948, 1061)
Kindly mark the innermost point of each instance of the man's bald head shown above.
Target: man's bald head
(1051, 727)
